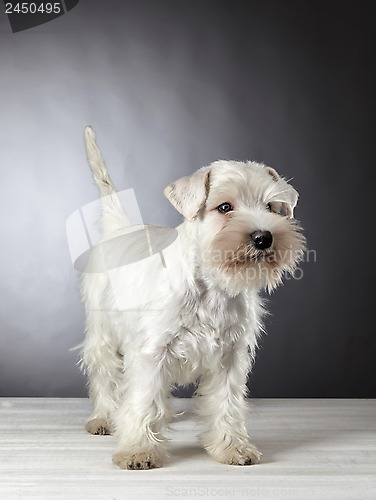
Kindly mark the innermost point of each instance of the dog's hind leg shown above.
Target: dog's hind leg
(103, 363)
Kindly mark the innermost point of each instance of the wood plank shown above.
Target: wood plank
(319, 449)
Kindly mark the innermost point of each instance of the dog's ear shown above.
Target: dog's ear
(290, 195)
(273, 173)
(188, 194)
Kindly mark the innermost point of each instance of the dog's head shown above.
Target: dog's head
(247, 234)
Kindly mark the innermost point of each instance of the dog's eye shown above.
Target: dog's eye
(224, 208)
(269, 207)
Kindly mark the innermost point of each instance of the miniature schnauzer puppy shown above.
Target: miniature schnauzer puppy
(189, 313)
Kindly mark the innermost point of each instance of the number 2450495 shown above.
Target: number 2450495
(33, 8)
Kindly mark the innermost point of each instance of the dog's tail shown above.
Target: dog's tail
(112, 212)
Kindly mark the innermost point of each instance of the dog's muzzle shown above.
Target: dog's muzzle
(262, 239)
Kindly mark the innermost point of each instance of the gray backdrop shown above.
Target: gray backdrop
(170, 86)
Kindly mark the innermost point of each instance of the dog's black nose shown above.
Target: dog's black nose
(262, 239)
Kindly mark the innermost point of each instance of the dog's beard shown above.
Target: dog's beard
(236, 264)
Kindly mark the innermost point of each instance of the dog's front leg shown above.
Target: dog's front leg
(222, 407)
(143, 414)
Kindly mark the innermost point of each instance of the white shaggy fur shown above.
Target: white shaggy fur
(193, 315)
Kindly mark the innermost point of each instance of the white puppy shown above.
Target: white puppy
(190, 312)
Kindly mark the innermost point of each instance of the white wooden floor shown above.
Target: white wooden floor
(312, 449)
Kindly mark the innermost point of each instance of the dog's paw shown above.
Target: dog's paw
(137, 461)
(241, 455)
(98, 426)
